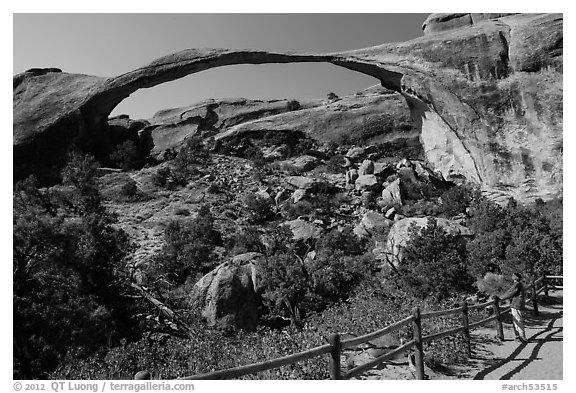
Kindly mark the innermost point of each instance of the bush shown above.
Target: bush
(70, 286)
(520, 238)
(188, 249)
(293, 105)
(293, 286)
(126, 156)
(336, 164)
(259, 208)
(434, 264)
(457, 199)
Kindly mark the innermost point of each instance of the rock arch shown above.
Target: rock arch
(461, 138)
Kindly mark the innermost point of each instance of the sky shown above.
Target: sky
(111, 44)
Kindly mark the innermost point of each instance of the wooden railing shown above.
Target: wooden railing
(336, 345)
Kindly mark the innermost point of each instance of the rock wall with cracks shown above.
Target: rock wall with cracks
(486, 97)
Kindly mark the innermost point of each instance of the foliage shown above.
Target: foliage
(293, 105)
(188, 249)
(336, 164)
(520, 238)
(492, 284)
(126, 156)
(457, 199)
(293, 284)
(184, 166)
(69, 282)
(259, 208)
(434, 263)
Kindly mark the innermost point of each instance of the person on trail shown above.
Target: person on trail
(517, 296)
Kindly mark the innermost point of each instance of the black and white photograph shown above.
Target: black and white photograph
(287, 196)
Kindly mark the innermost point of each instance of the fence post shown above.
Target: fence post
(466, 327)
(499, 330)
(417, 336)
(545, 281)
(534, 299)
(334, 341)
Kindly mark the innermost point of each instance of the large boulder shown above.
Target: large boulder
(399, 236)
(366, 168)
(303, 230)
(391, 195)
(371, 223)
(228, 294)
(367, 183)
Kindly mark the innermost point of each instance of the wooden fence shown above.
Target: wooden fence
(336, 345)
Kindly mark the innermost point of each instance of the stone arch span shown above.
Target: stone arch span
(80, 115)
(181, 64)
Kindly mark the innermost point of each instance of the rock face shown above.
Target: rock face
(482, 92)
(228, 293)
(399, 236)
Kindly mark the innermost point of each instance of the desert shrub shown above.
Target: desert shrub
(184, 166)
(434, 264)
(291, 211)
(161, 177)
(332, 96)
(492, 284)
(69, 281)
(126, 156)
(245, 239)
(293, 105)
(336, 164)
(182, 212)
(293, 286)
(457, 199)
(421, 208)
(520, 238)
(188, 249)
(259, 208)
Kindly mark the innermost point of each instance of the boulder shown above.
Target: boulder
(300, 182)
(351, 177)
(366, 168)
(399, 235)
(367, 183)
(228, 294)
(303, 230)
(380, 168)
(371, 223)
(298, 195)
(355, 153)
(301, 164)
(391, 195)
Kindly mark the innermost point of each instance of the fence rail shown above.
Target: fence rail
(335, 347)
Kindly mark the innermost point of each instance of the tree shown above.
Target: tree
(69, 281)
(294, 285)
(188, 249)
(520, 238)
(434, 264)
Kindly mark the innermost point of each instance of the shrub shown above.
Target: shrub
(293, 105)
(434, 264)
(336, 164)
(294, 287)
(259, 208)
(521, 238)
(126, 156)
(188, 249)
(457, 199)
(69, 281)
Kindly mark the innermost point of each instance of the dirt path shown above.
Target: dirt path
(538, 359)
